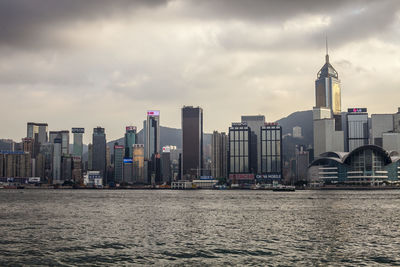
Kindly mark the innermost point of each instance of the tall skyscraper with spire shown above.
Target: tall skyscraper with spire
(327, 90)
(327, 119)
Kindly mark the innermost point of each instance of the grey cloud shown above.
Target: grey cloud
(34, 23)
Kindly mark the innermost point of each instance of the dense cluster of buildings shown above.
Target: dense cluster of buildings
(348, 148)
(351, 148)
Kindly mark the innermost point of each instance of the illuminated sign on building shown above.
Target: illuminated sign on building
(118, 147)
(271, 124)
(356, 110)
(131, 128)
(128, 161)
(239, 124)
(153, 113)
(78, 130)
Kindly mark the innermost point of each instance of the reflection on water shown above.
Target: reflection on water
(78, 227)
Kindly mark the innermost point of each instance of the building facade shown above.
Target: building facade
(192, 142)
(119, 152)
(37, 131)
(255, 123)
(130, 140)
(271, 153)
(219, 155)
(78, 141)
(152, 133)
(99, 152)
(357, 130)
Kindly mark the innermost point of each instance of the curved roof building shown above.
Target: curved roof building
(367, 164)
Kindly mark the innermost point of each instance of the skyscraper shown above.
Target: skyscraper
(219, 150)
(64, 136)
(37, 131)
(152, 134)
(255, 123)
(138, 164)
(239, 153)
(130, 140)
(271, 152)
(57, 143)
(78, 141)
(99, 152)
(328, 92)
(327, 117)
(119, 152)
(357, 130)
(192, 142)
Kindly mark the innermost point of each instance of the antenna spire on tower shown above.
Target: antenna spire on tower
(326, 44)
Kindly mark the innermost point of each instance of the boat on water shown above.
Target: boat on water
(284, 188)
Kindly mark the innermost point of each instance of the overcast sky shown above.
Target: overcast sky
(88, 63)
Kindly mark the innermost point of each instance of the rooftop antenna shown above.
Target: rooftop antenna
(326, 44)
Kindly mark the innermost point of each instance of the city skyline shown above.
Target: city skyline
(127, 57)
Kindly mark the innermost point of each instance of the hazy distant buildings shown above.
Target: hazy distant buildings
(15, 164)
(192, 142)
(219, 155)
(37, 131)
(99, 152)
(64, 136)
(380, 123)
(78, 141)
(296, 133)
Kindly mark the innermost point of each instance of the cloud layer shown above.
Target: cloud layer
(89, 63)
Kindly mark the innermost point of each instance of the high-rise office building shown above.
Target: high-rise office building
(57, 154)
(255, 123)
(328, 91)
(326, 138)
(16, 164)
(271, 152)
(37, 131)
(66, 168)
(152, 134)
(357, 130)
(166, 173)
(239, 152)
(192, 142)
(128, 171)
(90, 157)
(219, 151)
(130, 140)
(99, 152)
(138, 164)
(78, 141)
(64, 136)
(119, 152)
(77, 170)
(380, 123)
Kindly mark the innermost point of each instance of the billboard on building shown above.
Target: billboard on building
(130, 128)
(78, 130)
(153, 113)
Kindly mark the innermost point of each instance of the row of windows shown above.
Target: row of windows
(270, 148)
(271, 164)
(270, 134)
(240, 148)
(239, 164)
(236, 135)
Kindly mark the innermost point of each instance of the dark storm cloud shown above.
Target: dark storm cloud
(30, 23)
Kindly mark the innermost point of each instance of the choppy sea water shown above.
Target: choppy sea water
(165, 227)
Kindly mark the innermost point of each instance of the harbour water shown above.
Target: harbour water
(201, 227)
